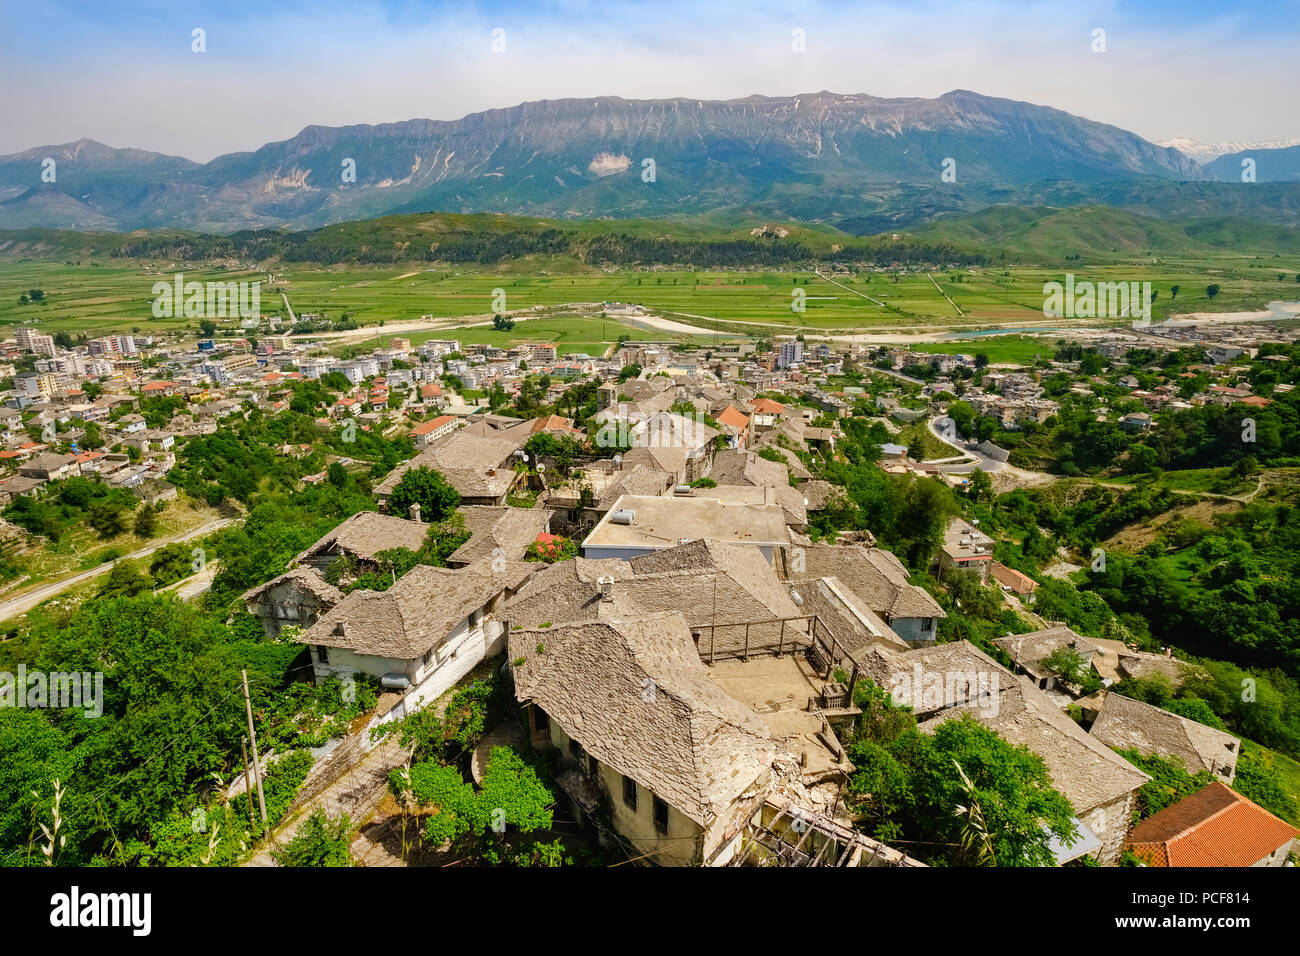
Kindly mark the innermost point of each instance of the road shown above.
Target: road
(982, 461)
(25, 602)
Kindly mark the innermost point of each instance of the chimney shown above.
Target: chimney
(606, 588)
(415, 511)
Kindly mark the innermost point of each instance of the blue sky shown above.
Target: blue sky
(125, 74)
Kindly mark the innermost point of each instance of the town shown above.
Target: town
(678, 604)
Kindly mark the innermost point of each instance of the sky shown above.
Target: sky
(127, 74)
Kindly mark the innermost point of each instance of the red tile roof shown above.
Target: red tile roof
(1215, 826)
(734, 417)
(425, 428)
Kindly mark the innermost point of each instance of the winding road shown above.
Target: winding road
(29, 599)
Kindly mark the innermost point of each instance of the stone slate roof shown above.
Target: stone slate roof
(738, 467)
(636, 696)
(306, 578)
(708, 581)
(876, 576)
(367, 533)
(1028, 650)
(818, 493)
(1128, 724)
(415, 613)
(1085, 770)
(492, 526)
(637, 479)
(476, 465)
(843, 614)
(669, 458)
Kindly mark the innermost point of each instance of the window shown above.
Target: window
(629, 792)
(323, 653)
(575, 750)
(660, 814)
(541, 723)
(927, 624)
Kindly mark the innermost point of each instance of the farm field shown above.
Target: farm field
(570, 334)
(99, 297)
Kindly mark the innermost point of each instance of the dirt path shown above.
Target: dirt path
(356, 792)
(28, 600)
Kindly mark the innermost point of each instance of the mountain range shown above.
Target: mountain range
(862, 163)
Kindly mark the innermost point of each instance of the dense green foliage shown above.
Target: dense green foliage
(909, 786)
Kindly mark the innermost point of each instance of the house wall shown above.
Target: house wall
(1110, 821)
(289, 603)
(680, 846)
(981, 566)
(912, 629)
(1277, 857)
(451, 659)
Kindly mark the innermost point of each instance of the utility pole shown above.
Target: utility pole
(248, 784)
(252, 735)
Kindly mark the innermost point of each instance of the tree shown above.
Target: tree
(1212, 289)
(428, 489)
(558, 549)
(207, 328)
(1173, 291)
(94, 435)
(320, 841)
(124, 581)
(108, 518)
(1071, 667)
(170, 564)
(629, 371)
(979, 488)
(146, 522)
(960, 796)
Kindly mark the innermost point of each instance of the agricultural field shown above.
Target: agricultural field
(94, 298)
(839, 303)
(569, 333)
